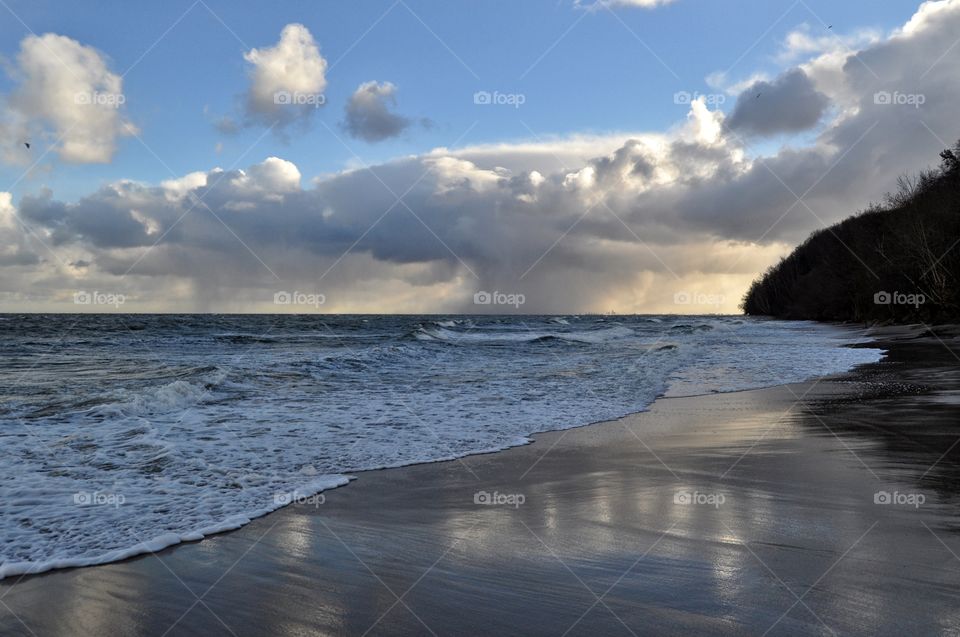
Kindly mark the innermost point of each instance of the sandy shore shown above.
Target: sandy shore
(744, 513)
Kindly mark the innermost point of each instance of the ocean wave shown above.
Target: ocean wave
(668, 347)
(450, 323)
(268, 338)
(499, 337)
(689, 328)
(243, 339)
(168, 539)
(200, 435)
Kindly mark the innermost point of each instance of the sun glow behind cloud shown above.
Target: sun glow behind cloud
(679, 220)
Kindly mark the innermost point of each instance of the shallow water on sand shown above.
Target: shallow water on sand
(123, 434)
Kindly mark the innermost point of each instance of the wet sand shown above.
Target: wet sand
(744, 513)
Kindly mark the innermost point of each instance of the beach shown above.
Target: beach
(823, 507)
(547, 318)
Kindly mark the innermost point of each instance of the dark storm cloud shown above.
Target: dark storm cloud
(693, 204)
(368, 115)
(789, 104)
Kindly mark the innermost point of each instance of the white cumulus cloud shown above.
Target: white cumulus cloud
(67, 93)
(287, 80)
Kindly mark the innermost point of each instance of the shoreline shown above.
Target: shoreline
(381, 534)
(336, 481)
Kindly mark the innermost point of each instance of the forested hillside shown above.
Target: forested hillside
(897, 261)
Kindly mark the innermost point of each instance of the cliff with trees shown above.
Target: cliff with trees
(898, 261)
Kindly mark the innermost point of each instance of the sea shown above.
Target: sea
(124, 434)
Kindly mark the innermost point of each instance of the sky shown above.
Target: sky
(635, 156)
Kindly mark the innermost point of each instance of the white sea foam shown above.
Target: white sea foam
(124, 442)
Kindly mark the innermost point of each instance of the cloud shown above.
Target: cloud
(803, 42)
(788, 104)
(12, 136)
(66, 91)
(471, 224)
(227, 125)
(14, 248)
(287, 80)
(368, 115)
(643, 4)
(583, 223)
(720, 81)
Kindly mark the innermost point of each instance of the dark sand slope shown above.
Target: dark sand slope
(599, 546)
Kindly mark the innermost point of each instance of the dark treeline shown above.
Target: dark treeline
(898, 261)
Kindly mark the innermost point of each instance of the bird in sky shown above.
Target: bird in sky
(27, 144)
